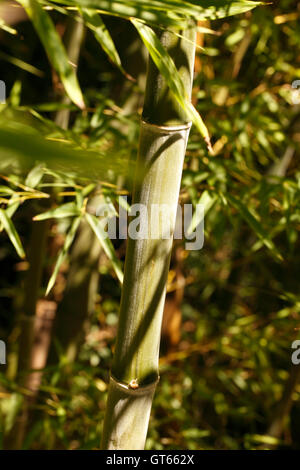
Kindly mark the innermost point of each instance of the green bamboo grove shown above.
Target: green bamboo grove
(82, 328)
(163, 137)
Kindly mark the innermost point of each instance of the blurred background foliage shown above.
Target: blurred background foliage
(232, 309)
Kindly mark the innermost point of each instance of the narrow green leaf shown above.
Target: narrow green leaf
(54, 48)
(21, 64)
(166, 12)
(94, 22)
(66, 210)
(167, 68)
(63, 253)
(207, 200)
(21, 146)
(15, 93)
(6, 190)
(12, 207)
(264, 439)
(7, 28)
(88, 189)
(106, 244)
(34, 176)
(12, 233)
(254, 223)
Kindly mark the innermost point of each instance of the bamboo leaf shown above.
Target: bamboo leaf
(166, 12)
(6, 190)
(254, 223)
(107, 245)
(7, 28)
(263, 439)
(167, 68)
(207, 200)
(55, 49)
(21, 64)
(95, 23)
(66, 210)
(34, 176)
(12, 207)
(12, 233)
(63, 253)
(21, 146)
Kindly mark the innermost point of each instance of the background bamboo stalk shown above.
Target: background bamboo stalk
(30, 327)
(36, 323)
(78, 301)
(283, 408)
(163, 138)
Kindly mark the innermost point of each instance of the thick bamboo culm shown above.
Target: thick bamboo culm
(163, 138)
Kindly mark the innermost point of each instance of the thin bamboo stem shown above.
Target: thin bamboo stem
(163, 138)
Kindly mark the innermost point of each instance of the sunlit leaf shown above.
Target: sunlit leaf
(254, 223)
(54, 48)
(63, 253)
(207, 200)
(95, 23)
(106, 243)
(12, 233)
(21, 146)
(168, 12)
(7, 28)
(65, 210)
(35, 176)
(21, 64)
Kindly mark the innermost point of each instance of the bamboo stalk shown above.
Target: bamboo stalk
(163, 138)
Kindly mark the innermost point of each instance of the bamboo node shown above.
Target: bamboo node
(166, 129)
(134, 387)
